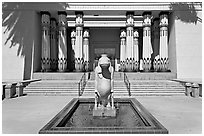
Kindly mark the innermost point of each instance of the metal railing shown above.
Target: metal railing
(127, 83)
(82, 83)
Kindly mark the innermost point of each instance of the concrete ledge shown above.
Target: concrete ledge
(58, 75)
(150, 75)
(191, 80)
(10, 89)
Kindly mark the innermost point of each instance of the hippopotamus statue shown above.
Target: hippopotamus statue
(104, 83)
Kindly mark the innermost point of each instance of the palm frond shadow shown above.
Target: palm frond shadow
(19, 24)
(186, 12)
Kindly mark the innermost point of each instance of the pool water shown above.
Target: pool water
(77, 118)
(83, 117)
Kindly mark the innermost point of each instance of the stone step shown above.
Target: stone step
(58, 75)
(53, 84)
(140, 94)
(52, 93)
(137, 87)
(150, 87)
(50, 89)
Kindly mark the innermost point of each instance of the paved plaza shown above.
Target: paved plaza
(28, 114)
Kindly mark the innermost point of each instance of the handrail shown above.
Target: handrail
(82, 84)
(127, 83)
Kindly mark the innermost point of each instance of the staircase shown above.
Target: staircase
(139, 87)
(53, 87)
(156, 87)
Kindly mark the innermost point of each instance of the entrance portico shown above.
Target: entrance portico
(134, 40)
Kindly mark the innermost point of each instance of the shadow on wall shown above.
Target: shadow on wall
(186, 12)
(19, 23)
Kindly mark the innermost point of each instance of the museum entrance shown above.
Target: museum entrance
(104, 41)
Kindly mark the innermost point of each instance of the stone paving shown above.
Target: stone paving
(28, 114)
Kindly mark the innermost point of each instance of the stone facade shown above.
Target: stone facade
(150, 38)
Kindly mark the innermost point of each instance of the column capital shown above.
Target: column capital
(73, 34)
(147, 18)
(129, 20)
(163, 19)
(86, 33)
(62, 19)
(122, 34)
(136, 34)
(45, 19)
(79, 19)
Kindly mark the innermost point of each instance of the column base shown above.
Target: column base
(86, 66)
(45, 64)
(161, 65)
(146, 64)
(62, 64)
(122, 66)
(129, 65)
(79, 65)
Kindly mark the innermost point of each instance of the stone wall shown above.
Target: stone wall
(188, 48)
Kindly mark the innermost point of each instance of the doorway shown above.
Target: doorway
(104, 40)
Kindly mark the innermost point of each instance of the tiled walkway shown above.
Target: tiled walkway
(28, 114)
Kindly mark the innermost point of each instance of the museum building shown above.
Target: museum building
(137, 37)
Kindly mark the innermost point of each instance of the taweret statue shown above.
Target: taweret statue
(104, 104)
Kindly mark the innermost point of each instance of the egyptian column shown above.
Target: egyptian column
(45, 56)
(62, 41)
(147, 46)
(155, 42)
(79, 60)
(54, 49)
(129, 41)
(163, 52)
(135, 51)
(122, 49)
(86, 49)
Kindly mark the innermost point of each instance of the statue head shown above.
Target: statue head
(104, 61)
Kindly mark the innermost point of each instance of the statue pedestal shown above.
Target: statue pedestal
(104, 112)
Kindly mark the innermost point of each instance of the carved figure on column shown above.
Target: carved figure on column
(73, 38)
(62, 41)
(147, 46)
(122, 50)
(86, 49)
(136, 51)
(129, 40)
(45, 57)
(104, 101)
(156, 63)
(79, 41)
(163, 52)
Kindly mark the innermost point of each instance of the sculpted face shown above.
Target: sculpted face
(104, 61)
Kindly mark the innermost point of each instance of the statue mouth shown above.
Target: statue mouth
(104, 65)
